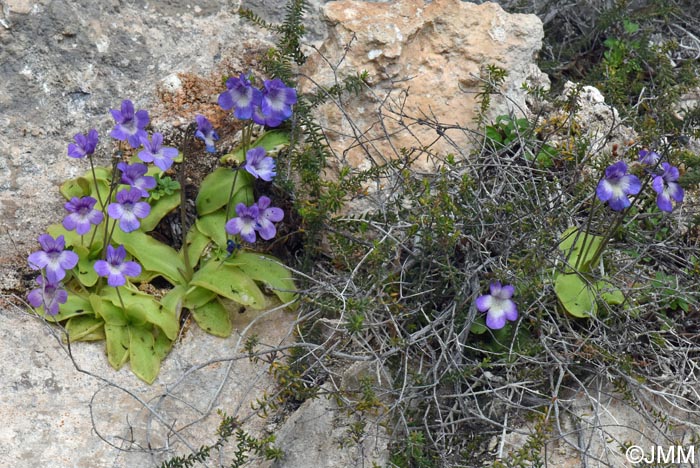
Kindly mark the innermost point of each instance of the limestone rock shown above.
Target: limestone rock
(426, 63)
(599, 122)
(597, 432)
(54, 416)
(320, 433)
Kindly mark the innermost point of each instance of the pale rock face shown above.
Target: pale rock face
(425, 62)
(599, 123)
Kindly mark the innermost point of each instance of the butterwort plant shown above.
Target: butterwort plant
(578, 284)
(94, 265)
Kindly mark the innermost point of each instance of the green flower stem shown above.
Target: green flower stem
(189, 271)
(116, 288)
(94, 180)
(112, 185)
(246, 136)
(94, 231)
(585, 234)
(230, 195)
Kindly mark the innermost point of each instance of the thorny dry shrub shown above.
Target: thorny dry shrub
(395, 287)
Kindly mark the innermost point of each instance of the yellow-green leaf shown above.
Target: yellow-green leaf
(117, 341)
(579, 247)
(216, 188)
(85, 328)
(152, 255)
(213, 226)
(213, 318)
(267, 270)
(145, 361)
(159, 209)
(230, 282)
(575, 295)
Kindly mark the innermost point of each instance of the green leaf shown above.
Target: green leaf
(572, 244)
(272, 141)
(267, 270)
(110, 313)
(197, 297)
(478, 326)
(545, 157)
(230, 282)
(85, 185)
(164, 185)
(494, 135)
(213, 226)
(152, 255)
(117, 342)
(575, 295)
(610, 294)
(159, 209)
(142, 308)
(162, 346)
(213, 318)
(630, 27)
(86, 271)
(85, 328)
(172, 302)
(76, 305)
(216, 188)
(196, 245)
(78, 187)
(145, 361)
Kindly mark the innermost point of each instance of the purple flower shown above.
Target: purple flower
(260, 165)
(667, 187)
(82, 215)
(130, 126)
(53, 258)
(48, 294)
(498, 305)
(134, 176)
(241, 95)
(129, 209)
(267, 216)
(115, 268)
(277, 99)
(84, 144)
(262, 119)
(155, 152)
(206, 132)
(245, 223)
(649, 158)
(617, 185)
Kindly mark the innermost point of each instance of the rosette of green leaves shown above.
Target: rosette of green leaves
(138, 328)
(218, 276)
(576, 287)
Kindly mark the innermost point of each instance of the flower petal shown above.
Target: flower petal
(38, 260)
(68, 259)
(131, 269)
(631, 184)
(495, 320)
(266, 229)
(663, 201)
(507, 292)
(483, 303)
(604, 190)
(675, 191)
(510, 310)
